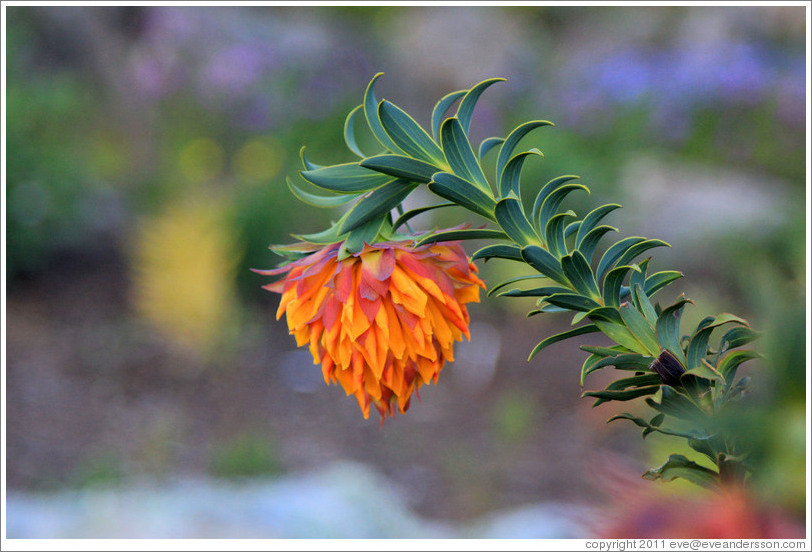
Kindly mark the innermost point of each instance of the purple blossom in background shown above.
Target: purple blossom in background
(625, 78)
(234, 68)
(249, 63)
(153, 77)
(791, 93)
(246, 63)
(675, 83)
(257, 114)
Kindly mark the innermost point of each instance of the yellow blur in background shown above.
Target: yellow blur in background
(184, 260)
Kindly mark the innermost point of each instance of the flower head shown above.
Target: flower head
(381, 322)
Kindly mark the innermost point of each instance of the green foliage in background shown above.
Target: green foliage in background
(49, 173)
(248, 455)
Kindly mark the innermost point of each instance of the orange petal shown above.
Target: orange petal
(378, 263)
(409, 294)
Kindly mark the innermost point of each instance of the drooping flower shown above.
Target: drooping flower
(383, 321)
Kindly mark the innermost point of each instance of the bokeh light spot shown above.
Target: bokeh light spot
(184, 261)
(258, 161)
(201, 160)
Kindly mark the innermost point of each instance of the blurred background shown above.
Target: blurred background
(151, 393)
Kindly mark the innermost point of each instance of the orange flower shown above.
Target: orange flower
(381, 322)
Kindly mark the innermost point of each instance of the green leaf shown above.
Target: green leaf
(635, 362)
(579, 273)
(364, 234)
(697, 349)
(549, 206)
(638, 277)
(587, 365)
(698, 344)
(466, 108)
(306, 163)
(614, 253)
(588, 328)
(612, 351)
(640, 380)
(371, 114)
(738, 337)
(349, 131)
(513, 139)
(679, 466)
(572, 301)
(510, 216)
(510, 176)
(668, 329)
(377, 203)
(620, 395)
(640, 328)
(735, 392)
(460, 156)
(509, 281)
(609, 315)
(643, 304)
(619, 334)
(441, 108)
(659, 280)
(464, 234)
(463, 193)
(652, 426)
(347, 178)
(591, 220)
(547, 309)
(555, 234)
(704, 323)
(726, 318)
(706, 444)
(612, 283)
(676, 405)
(572, 227)
(317, 200)
(639, 248)
(499, 251)
(401, 166)
(730, 363)
(411, 213)
(544, 262)
(647, 427)
(534, 292)
(590, 241)
(408, 135)
(488, 144)
(545, 191)
(706, 371)
(330, 235)
(291, 251)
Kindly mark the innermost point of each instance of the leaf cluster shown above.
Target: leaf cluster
(607, 289)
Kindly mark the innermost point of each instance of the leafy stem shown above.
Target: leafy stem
(608, 290)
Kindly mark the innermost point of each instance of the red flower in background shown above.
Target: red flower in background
(728, 514)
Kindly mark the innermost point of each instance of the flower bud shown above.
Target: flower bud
(668, 368)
